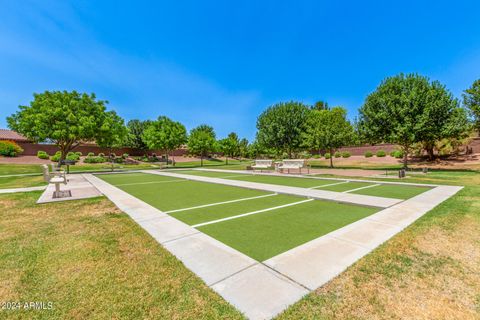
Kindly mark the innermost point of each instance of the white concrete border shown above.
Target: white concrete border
(263, 290)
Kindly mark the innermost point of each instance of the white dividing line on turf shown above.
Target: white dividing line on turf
(328, 185)
(373, 185)
(224, 202)
(250, 213)
(149, 182)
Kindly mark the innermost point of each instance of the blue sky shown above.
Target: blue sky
(223, 62)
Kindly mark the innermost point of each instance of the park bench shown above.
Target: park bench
(262, 164)
(291, 164)
(55, 177)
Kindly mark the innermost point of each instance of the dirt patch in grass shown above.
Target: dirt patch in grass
(92, 261)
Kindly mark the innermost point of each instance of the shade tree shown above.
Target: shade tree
(135, 134)
(281, 126)
(471, 100)
(202, 141)
(66, 118)
(409, 109)
(328, 129)
(164, 134)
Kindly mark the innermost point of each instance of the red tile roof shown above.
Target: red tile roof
(6, 134)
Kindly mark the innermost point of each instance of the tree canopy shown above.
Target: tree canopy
(229, 146)
(281, 126)
(62, 117)
(135, 134)
(409, 109)
(328, 129)
(471, 100)
(112, 133)
(164, 134)
(201, 141)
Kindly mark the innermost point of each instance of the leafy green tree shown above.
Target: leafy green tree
(409, 109)
(135, 134)
(229, 146)
(201, 141)
(164, 134)
(62, 117)
(243, 148)
(471, 100)
(328, 129)
(320, 105)
(281, 126)
(112, 133)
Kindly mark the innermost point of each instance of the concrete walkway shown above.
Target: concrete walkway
(78, 186)
(261, 290)
(15, 190)
(303, 192)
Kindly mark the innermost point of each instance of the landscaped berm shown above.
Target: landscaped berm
(176, 160)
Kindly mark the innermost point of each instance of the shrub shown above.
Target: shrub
(397, 154)
(346, 154)
(78, 153)
(101, 154)
(72, 156)
(327, 155)
(94, 159)
(125, 155)
(56, 156)
(368, 154)
(9, 148)
(90, 154)
(42, 155)
(317, 156)
(113, 155)
(337, 154)
(381, 153)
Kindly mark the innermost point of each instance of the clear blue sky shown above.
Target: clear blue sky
(223, 62)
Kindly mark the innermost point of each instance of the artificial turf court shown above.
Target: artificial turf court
(396, 191)
(258, 223)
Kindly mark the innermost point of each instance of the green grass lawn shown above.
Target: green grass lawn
(21, 182)
(265, 235)
(7, 169)
(178, 195)
(91, 261)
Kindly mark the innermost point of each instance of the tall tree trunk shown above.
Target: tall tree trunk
(201, 160)
(429, 147)
(226, 160)
(166, 157)
(331, 158)
(405, 157)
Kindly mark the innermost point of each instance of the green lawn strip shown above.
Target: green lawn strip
(285, 181)
(347, 186)
(393, 191)
(21, 182)
(200, 215)
(265, 235)
(6, 169)
(178, 195)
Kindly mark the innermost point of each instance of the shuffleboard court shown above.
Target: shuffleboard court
(265, 235)
(396, 191)
(177, 193)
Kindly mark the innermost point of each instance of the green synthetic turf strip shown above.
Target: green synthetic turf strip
(212, 174)
(347, 186)
(393, 191)
(124, 178)
(284, 181)
(200, 215)
(265, 235)
(178, 195)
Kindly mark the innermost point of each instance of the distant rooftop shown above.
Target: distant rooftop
(6, 134)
